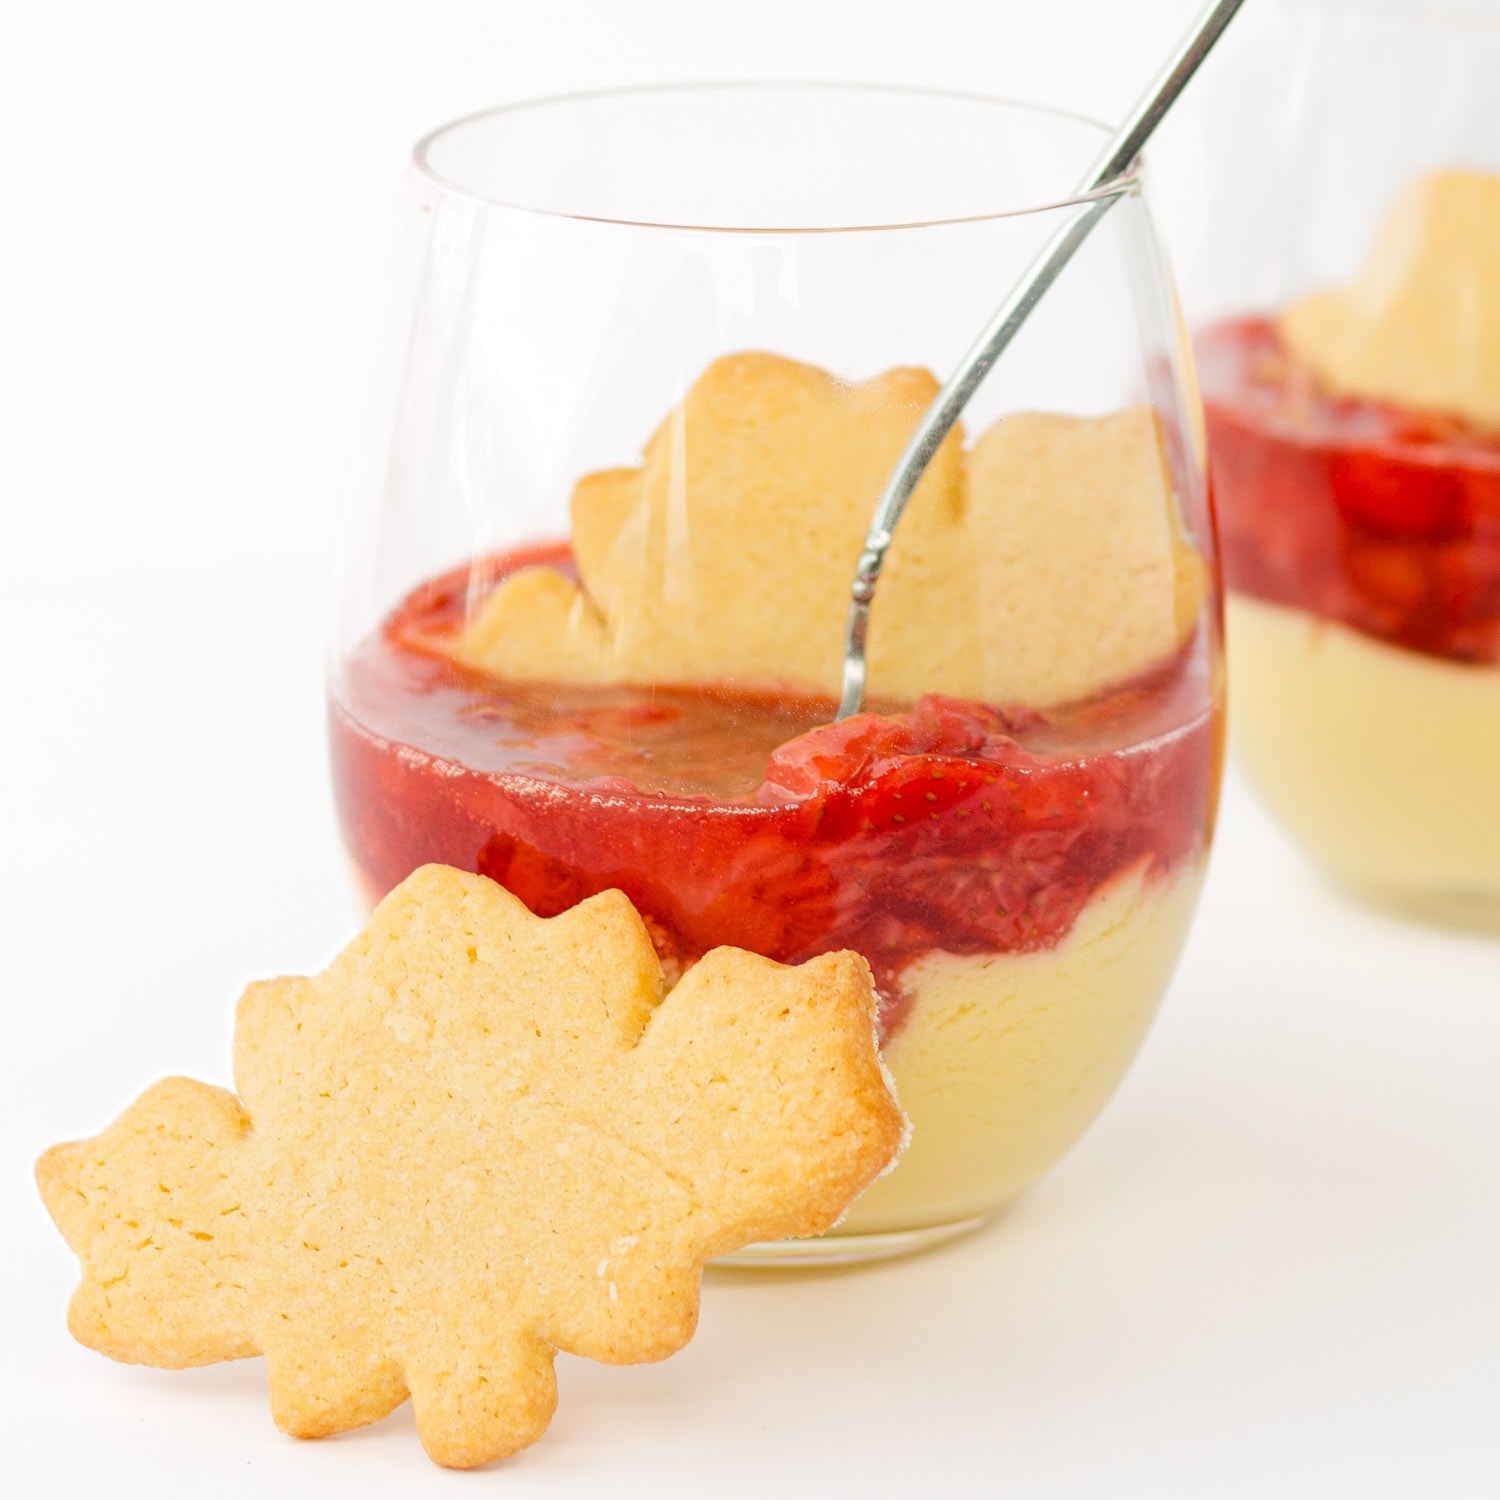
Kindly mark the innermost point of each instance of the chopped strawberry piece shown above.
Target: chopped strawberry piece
(1385, 495)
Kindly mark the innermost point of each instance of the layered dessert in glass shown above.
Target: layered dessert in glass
(1355, 450)
(663, 351)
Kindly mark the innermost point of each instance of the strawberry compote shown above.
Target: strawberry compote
(1356, 511)
(732, 817)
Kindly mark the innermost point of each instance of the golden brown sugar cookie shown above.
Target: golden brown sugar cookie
(728, 556)
(478, 1137)
(1079, 554)
(1420, 324)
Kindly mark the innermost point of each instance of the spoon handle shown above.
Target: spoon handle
(1099, 190)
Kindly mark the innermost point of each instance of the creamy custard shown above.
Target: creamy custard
(1008, 1057)
(1384, 762)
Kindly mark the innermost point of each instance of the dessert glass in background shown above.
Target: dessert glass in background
(658, 352)
(1347, 297)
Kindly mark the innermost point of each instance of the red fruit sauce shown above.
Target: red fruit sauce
(1383, 519)
(733, 817)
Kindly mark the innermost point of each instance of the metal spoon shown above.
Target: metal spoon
(1122, 150)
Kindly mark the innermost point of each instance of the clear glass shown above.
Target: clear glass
(1349, 282)
(657, 353)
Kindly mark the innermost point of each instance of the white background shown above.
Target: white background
(1271, 1270)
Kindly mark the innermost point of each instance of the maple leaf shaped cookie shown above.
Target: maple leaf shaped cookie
(477, 1138)
(1048, 560)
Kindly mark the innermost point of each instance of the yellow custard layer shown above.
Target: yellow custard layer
(1384, 763)
(1007, 1058)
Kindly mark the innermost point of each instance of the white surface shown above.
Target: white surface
(1271, 1270)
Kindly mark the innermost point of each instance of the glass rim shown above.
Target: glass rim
(1125, 182)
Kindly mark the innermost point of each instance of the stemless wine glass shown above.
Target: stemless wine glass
(660, 351)
(1350, 360)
